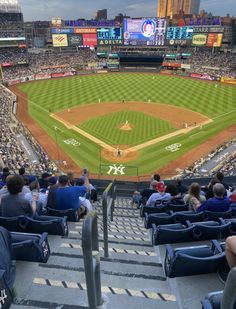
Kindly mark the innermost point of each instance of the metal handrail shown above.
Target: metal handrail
(108, 207)
(90, 246)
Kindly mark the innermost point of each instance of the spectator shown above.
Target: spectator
(230, 251)
(41, 201)
(218, 203)
(22, 171)
(44, 180)
(160, 196)
(180, 187)
(194, 198)
(14, 203)
(220, 177)
(65, 196)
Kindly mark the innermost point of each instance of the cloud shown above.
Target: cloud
(73, 9)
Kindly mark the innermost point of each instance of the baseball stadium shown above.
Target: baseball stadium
(118, 160)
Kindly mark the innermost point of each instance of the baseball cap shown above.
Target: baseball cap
(161, 187)
(52, 180)
(233, 198)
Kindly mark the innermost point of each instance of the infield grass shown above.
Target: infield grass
(218, 103)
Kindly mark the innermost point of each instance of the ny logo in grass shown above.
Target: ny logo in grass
(3, 297)
(116, 170)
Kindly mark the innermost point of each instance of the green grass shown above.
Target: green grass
(59, 94)
(145, 127)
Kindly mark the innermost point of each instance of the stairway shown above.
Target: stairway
(132, 276)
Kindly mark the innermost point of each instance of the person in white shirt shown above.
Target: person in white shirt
(160, 196)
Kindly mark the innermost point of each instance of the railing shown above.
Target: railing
(90, 246)
(108, 205)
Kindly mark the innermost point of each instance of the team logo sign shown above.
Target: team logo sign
(173, 147)
(116, 169)
(148, 28)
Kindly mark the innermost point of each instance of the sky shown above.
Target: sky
(73, 9)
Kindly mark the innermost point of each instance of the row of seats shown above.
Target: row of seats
(183, 216)
(178, 232)
(159, 208)
(51, 225)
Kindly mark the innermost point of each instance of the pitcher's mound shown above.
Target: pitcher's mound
(124, 156)
(126, 127)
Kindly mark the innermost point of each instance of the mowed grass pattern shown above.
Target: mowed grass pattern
(217, 102)
(145, 127)
(202, 97)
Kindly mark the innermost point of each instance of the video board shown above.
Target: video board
(141, 32)
(199, 39)
(179, 33)
(110, 36)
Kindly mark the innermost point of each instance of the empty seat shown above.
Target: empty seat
(210, 230)
(151, 209)
(194, 260)
(183, 216)
(71, 214)
(157, 219)
(30, 247)
(214, 215)
(174, 208)
(171, 233)
(51, 225)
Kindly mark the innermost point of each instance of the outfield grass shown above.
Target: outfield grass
(218, 103)
(145, 127)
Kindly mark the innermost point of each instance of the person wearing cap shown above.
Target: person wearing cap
(160, 195)
(43, 181)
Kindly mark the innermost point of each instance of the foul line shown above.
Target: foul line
(69, 126)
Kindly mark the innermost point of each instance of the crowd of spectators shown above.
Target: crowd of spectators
(14, 56)
(11, 21)
(13, 155)
(11, 33)
(228, 163)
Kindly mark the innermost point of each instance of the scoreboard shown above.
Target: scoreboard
(179, 33)
(110, 36)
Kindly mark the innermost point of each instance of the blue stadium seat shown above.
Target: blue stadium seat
(5, 292)
(158, 219)
(171, 233)
(194, 260)
(211, 215)
(212, 300)
(151, 209)
(210, 230)
(175, 208)
(31, 247)
(51, 225)
(71, 214)
(183, 216)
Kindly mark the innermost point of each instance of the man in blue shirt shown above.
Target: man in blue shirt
(65, 196)
(218, 203)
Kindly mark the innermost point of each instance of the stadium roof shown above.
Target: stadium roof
(10, 6)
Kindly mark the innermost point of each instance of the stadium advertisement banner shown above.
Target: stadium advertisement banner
(75, 40)
(179, 33)
(208, 29)
(64, 74)
(202, 76)
(59, 40)
(228, 80)
(144, 32)
(185, 66)
(62, 30)
(171, 65)
(110, 36)
(85, 30)
(42, 76)
(90, 39)
(177, 42)
(56, 22)
(199, 39)
(214, 39)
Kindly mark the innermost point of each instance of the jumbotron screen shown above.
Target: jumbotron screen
(110, 36)
(179, 33)
(141, 32)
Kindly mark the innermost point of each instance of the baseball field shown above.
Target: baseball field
(142, 122)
